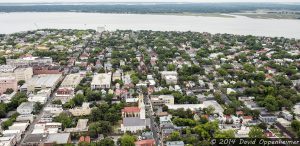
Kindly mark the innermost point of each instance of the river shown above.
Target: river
(16, 22)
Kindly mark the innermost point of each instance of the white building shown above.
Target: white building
(44, 81)
(162, 99)
(54, 109)
(25, 108)
(243, 132)
(170, 76)
(7, 68)
(19, 126)
(42, 96)
(101, 81)
(19, 73)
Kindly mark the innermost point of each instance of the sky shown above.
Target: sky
(38, 1)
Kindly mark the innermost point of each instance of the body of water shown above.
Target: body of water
(16, 22)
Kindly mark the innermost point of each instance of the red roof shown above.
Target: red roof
(239, 112)
(147, 142)
(247, 117)
(81, 139)
(131, 109)
(87, 139)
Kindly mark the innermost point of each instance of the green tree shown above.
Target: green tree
(175, 136)
(106, 142)
(100, 127)
(127, 140)
(65, 119)
(225, 134)
(295, 125)
(256, 132)
(21, 82)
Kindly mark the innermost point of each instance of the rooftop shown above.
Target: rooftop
(131, 109)
(135, 121)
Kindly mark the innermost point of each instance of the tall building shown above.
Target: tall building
(19, 73)
(8, 82)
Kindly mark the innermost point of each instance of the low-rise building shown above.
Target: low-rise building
(64, 94)
(71, 80)
(38, 82)
(162, 99)
(38, 70)
(54, 109)
(268, 118)
(174, 143)
(101, 81)
(25, 108)
(170, 76)
(25, 118)
(41, 96)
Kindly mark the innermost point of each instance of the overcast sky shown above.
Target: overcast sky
(34, 1)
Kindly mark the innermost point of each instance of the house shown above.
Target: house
(101, 81)
(81, 111)
(287, 115)
(25, 108)
(116, 75)
(169, 76)
(242, 132)
(268, 118)
(174, 143)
